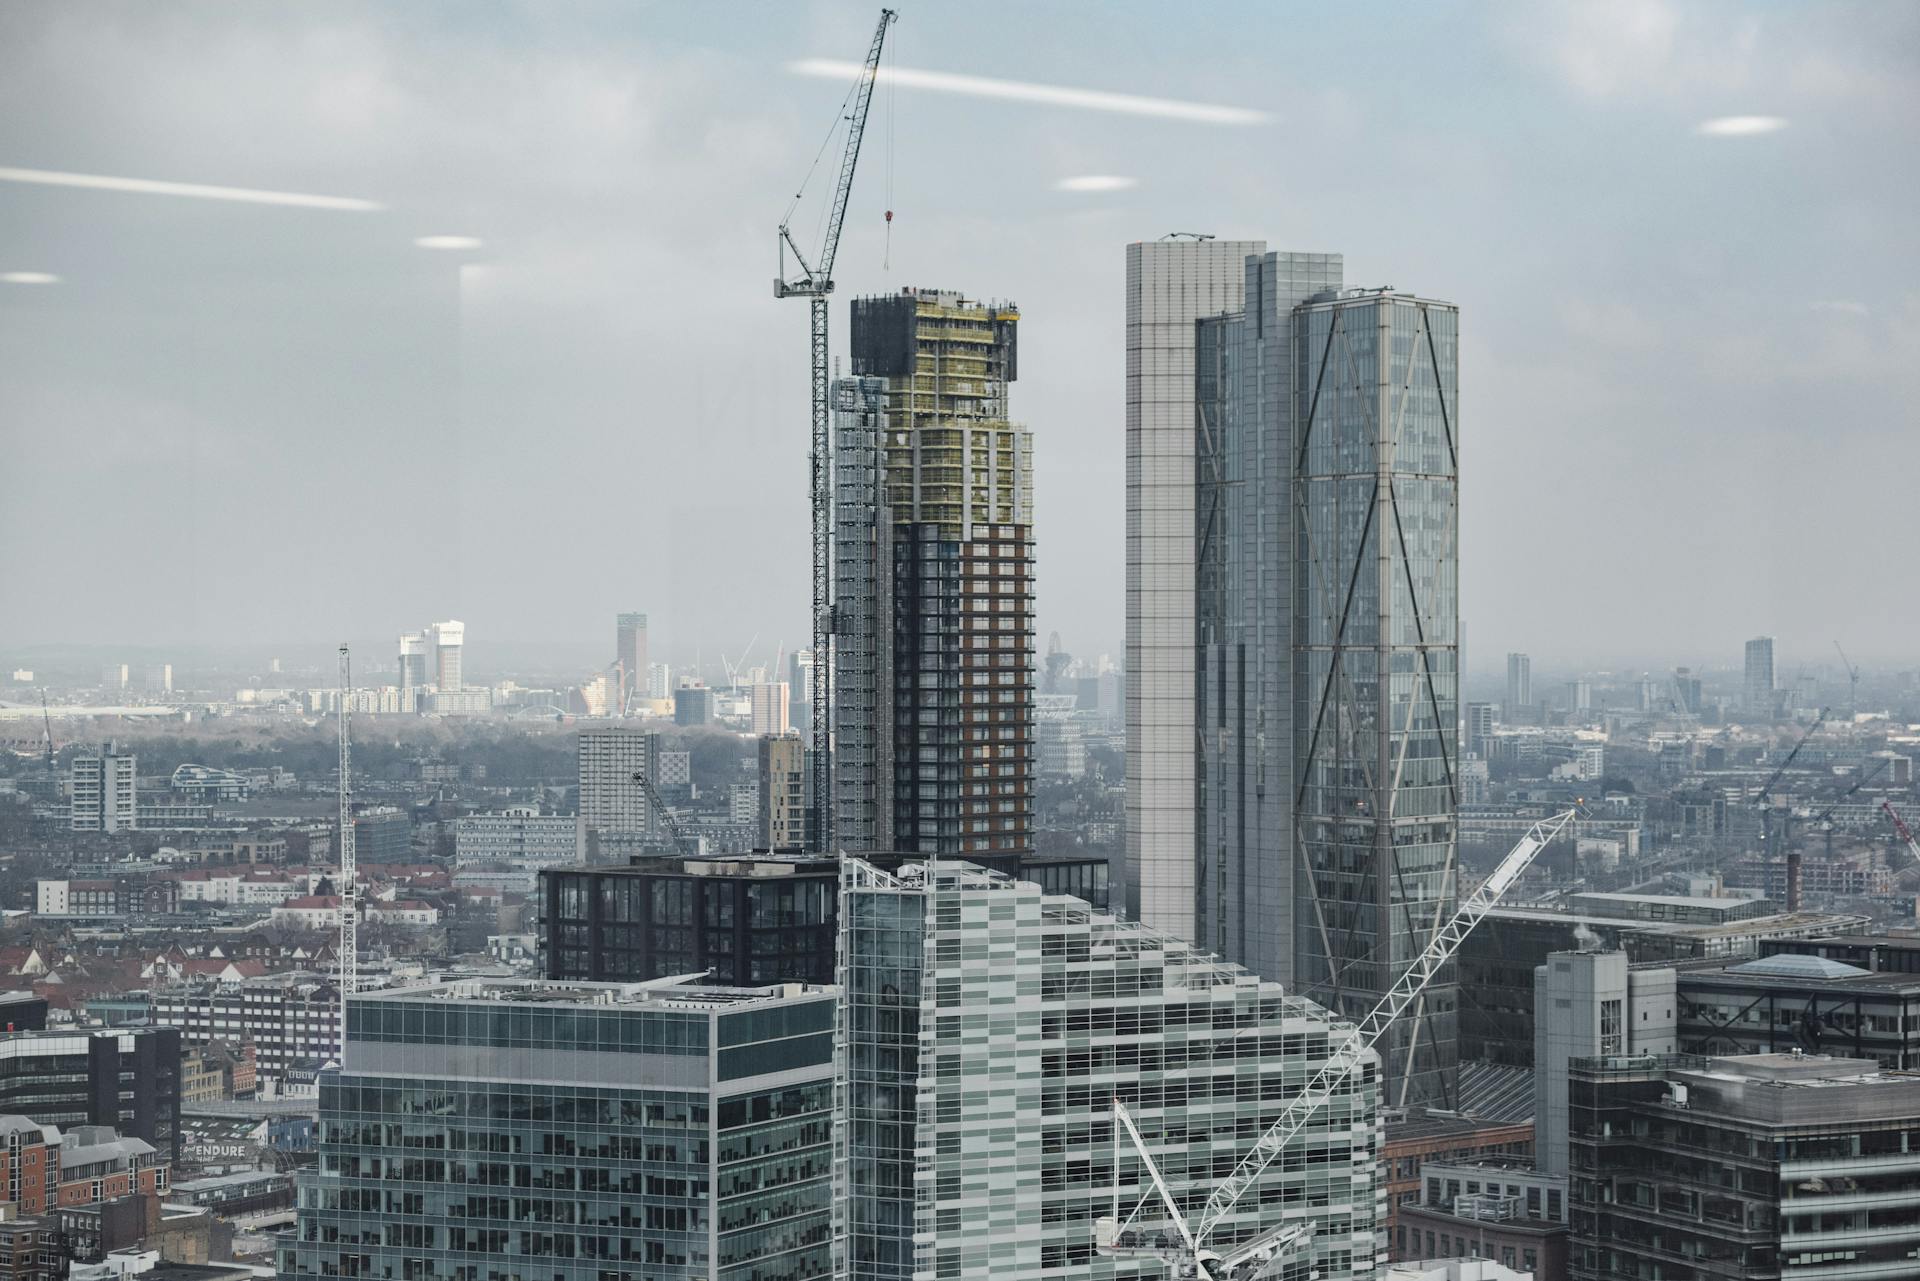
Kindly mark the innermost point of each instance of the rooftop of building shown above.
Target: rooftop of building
(1704, 902)
(1496, 1091)
(734, 865)
(1420, 1125)
(679, 992)
(1792, 921)
(239, 1179)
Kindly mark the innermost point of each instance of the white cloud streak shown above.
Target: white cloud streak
(1125, 104)
(1096, 182)
(28, 278)
(1740, 126)
(197, 191)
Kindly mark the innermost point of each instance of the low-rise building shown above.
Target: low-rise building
(1504, 1212)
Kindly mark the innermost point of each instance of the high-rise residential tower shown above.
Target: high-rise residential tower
(933, 584)
(1519, 685)
(783, 792)
(448, 640)
(615, 811)
(630, 656)
(1170, 284)
(1759, 683)
(768, 703)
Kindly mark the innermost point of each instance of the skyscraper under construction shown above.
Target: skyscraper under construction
(933, 584)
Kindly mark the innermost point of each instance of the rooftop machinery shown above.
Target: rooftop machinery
(814, 283)
(1189, 1256)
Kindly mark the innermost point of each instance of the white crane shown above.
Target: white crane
(814, 283)
(349, 871)
(1191, 1259)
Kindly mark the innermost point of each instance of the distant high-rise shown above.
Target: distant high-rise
(1579, 696)
(783, 792)
(1479, 727)
(113, 677)
(630, 655)
(414, 676)
(1686, 691)
(933, 673)
(1170, 284)
(768, 701)
(1759, 682)
(157, 678)
(615, 811)
(1519, 685)
(448, 640)
(104, 791)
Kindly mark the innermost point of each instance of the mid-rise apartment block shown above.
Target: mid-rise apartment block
(616, 814)
(768, 702)
(986, 1027)
(783, 792)
(104, 791)
(519, 835)
(487, 1130)
(933, 556)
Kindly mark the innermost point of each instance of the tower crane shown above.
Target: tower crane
(349, 868)
(667, 819)
(1900, 826)
(46, 715)
(1191, 1258)
(814, 282)
(1766, 789)
(1853, 681)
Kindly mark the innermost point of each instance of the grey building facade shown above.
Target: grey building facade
(488, 1130)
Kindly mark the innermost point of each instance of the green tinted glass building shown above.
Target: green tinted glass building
(528, 1130)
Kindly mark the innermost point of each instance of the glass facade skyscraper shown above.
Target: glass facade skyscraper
(986, 1027)
(499, 1130)
(1375, 680)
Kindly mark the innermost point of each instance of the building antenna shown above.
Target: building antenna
(349, 872)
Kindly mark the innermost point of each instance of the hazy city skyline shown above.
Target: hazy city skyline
(293, 424)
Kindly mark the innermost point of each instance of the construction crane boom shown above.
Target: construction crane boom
(814, 283)
(1853, 681)
(1195, 1260)
(1767, 788)
(1900, 826)
(667, 820)
(349, 868)
(46, 714)
(1347, 1055)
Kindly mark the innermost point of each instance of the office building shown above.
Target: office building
(768, 701)
(616, 814)
(127, 1078)
(1375, 635)
(783, 792)
(291, 1019)
(575, 1132)
(747, 920)
(1248, 491)
(1519, 685)
(985, 1026)
(1589, 1004)
(1503, 1211)
(1759, 684)
(1785, 1003)
(1170, 284)
(382, 834)
(1749, 1168)
(693, 703)
(104, 791)
(630, 657)
(519, 835)
(446, 642)
(415, 678)
(933, 678)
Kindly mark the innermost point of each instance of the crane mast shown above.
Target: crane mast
(814, 283)
(1199, 1263)
(349, 871)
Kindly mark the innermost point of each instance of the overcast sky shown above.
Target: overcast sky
(1691, 359)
